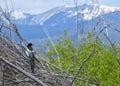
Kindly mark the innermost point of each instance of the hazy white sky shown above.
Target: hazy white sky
(39, 6)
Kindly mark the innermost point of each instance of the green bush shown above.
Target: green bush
(101, 68)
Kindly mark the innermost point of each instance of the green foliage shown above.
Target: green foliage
(101, 68)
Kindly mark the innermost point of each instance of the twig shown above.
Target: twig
(3, 75)
(78, 78)
(82, 64)
(114, 49)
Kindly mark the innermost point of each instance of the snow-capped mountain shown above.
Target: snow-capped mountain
(64, 17)
(85, 12)
(18, 15)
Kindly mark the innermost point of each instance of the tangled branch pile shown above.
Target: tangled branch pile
(14, 64)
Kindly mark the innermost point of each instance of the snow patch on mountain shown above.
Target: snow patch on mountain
(46, 18)
(18, 15)
(92, 11)
(41, 18)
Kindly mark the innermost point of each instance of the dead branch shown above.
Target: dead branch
(113, 47)
(82, 64)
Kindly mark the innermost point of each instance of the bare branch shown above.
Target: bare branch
(82, 64)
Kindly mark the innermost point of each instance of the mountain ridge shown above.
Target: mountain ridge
(62, 18)
(89, 11)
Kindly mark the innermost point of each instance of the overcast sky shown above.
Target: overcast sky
(39, 6)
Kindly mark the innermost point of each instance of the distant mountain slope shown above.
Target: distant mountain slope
(64, 13)
(57, 19)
